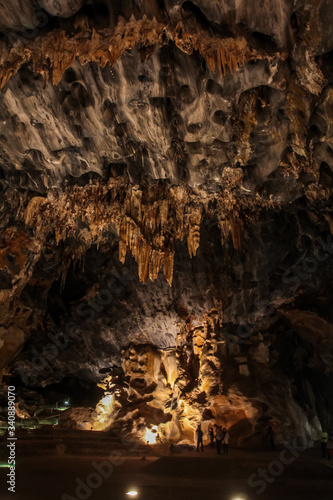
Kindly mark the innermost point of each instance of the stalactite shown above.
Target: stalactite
(193, 236)
(237, 233)
(33, 207)
(235, 227)
(168, 266)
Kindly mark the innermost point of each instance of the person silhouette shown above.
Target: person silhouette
(211, 437)
(219, 437)
(225, 441)
(199, 437)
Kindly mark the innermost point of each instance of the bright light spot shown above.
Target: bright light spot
(132, 493)
(66, 402)
(104, 413)
(241, 497)
(151, 435)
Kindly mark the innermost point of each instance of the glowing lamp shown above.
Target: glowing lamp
(132, 493)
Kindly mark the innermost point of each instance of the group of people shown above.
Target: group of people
(220, 439)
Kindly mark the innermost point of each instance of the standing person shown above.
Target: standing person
(219, 437)
(211, 437)
(270, 437)
(324, 439)
(225, 441)
(199, 438)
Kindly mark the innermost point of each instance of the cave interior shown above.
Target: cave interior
(166, 218)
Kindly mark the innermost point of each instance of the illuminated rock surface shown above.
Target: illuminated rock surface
(166, 211)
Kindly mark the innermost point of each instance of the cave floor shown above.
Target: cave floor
(186, 476)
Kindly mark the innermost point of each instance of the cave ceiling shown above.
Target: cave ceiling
(166, 168)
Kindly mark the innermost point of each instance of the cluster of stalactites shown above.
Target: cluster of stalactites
(148, 221)
(149, 230)
(56, 50)
(149, 259)
(218, 52)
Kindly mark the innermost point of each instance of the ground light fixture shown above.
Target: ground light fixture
(132, 493)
